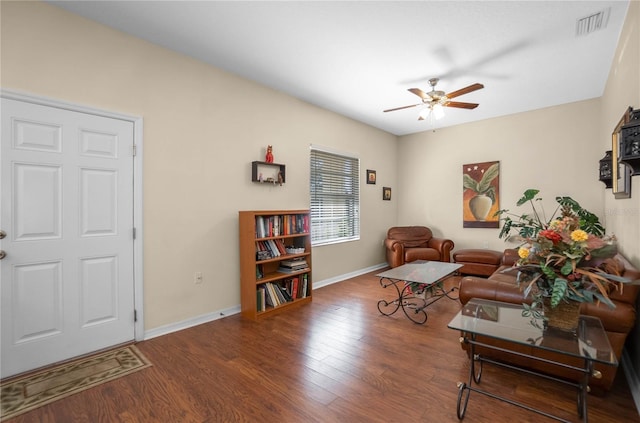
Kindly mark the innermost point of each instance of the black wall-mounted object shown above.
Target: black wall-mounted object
(606, 171)
(630, 142)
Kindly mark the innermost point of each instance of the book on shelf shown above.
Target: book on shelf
(281, 248)
(282, 269)
(301, 262)
(259, 272)
(261, 304)
(288, 224)
(292, 269)
(260, 229)
(293, 287)
(277, 293)
(268, 298)
(285, 293)
(305, 280)
(273, 293)
(273, 248)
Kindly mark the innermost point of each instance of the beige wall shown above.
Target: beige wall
(623, 90)
(622, 216)
(202, 129)
(535, 150)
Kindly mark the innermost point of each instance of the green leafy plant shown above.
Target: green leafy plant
(528, 225)
(557, 256)
(483, 186)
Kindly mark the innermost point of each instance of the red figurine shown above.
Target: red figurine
(269, 157)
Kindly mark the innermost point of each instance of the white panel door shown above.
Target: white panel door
(67, 284)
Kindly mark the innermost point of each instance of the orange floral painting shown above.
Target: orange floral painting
(481, 195)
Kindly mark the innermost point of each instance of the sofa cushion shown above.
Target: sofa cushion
(411, 236)
(490, 289)
(479, 262)
(620, 319)
(413, 254)
(477, 256)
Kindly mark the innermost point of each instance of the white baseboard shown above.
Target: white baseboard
(210, 317)
(185, 324)
(632, 378)
(340, 278)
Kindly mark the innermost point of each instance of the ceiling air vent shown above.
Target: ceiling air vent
(592, 23)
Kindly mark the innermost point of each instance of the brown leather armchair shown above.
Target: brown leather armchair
(409, 243)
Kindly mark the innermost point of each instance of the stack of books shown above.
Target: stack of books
(293, 265)
(273, 294)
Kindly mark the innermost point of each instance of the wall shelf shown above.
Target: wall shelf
(269, 172)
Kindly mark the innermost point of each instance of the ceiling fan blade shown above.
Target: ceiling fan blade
(461, 105)
(400, 108)
(465, 90)
(420, 93)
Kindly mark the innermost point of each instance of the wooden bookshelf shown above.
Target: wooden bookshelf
(285, 236)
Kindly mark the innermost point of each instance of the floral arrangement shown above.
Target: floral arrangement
(563, 258)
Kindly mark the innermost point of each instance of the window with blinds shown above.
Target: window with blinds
(335, 197)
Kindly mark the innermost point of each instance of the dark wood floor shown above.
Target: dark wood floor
(334, 360)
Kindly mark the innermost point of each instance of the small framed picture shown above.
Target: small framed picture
(386, 193)
(371, 176)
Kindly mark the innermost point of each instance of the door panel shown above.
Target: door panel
(99, 284)
(67, 206)
(98, 202)
(37, 193)
(38, 136)
(37, 297)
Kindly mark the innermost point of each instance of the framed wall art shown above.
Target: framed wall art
(480, 195)
(371, 176)
(386, 193)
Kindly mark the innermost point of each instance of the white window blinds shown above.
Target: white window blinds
(335, 197)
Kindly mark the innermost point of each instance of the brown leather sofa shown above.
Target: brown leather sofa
(617, 322)
(409, 243)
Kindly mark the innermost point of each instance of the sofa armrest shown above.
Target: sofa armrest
(395, 252)
(393, 245)
(476, 287)
(510, 257)
(444, 246)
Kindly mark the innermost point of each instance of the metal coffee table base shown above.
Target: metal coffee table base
(413, 304)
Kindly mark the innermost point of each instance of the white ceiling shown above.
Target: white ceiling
(359, 58)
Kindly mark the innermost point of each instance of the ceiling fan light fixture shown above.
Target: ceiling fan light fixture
(435, 101)
(438, 111)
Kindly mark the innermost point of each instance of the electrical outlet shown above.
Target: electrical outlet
(197, 278)
(485, 245)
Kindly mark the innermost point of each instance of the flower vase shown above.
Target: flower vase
(564, 316)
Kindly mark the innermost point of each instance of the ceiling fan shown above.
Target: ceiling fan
(436, 100)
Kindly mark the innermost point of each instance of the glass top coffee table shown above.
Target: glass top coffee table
(503, 321)
(418, 284)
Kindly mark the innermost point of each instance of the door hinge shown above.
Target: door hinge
(134, 233)
(134, 150)
(135, 315)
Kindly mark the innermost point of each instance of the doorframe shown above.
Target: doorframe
(138, 243)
